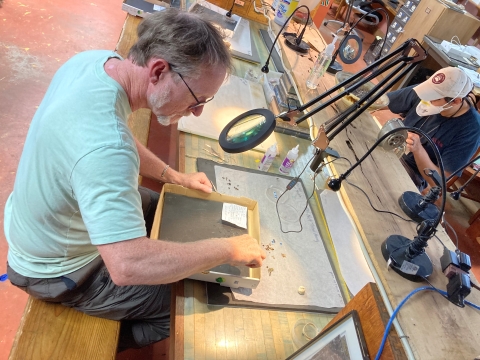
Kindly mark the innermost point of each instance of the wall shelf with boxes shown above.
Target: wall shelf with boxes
(417, 18)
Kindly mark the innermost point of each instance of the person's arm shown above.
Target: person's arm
(423, 161)
(152, 167)
(151, 262)
(402, 100)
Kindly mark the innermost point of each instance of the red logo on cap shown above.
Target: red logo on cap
(439, 78)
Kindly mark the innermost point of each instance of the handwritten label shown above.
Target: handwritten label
(235, 214)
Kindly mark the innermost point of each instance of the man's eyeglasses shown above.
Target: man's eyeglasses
(191, 92)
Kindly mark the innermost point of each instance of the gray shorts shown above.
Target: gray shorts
(144, 310)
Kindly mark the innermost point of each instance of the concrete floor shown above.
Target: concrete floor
(35, 39)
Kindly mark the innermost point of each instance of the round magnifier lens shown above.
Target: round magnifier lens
(246, 129)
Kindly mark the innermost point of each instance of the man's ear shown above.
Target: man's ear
(457, 101)
(157, 68)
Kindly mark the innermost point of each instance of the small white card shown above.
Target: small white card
(235, 214)
(158, 8)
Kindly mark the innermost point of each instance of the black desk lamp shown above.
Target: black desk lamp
(422, 207)
(335, 66)
(404, 256)
(291, 40)
(253, 127)
(229, 13)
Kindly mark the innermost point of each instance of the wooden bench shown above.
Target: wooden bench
(51, 331)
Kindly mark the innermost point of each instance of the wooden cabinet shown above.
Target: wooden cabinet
(417, 18)
(435, 19)
(242, 8)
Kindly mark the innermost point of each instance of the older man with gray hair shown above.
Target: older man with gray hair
(76, 221)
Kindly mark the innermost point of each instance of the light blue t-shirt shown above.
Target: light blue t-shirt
(77, 180)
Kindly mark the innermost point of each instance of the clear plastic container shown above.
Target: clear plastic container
(321, 65)
(268, 158)
(289, 160)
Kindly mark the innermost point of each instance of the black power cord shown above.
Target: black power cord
(293, 182)
(374, 208)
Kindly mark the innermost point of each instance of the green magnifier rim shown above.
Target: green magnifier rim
(257, 137)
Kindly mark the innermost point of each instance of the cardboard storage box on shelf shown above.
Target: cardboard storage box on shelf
(226, 275)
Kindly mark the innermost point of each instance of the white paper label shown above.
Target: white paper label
(389, 263)
(409, 268)
(235, 214)
(158, 8)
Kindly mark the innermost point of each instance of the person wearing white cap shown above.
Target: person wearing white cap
(442, 107)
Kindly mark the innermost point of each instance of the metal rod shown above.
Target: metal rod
(353, 87)
(372, 100)
(354, 77)
(359, 103)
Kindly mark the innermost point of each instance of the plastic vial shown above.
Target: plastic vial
(289, 160)
(268, 158)
(321, 65)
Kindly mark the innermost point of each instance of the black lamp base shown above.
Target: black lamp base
(411, 269)
(291, 42)
(409, 201)
(334, 67)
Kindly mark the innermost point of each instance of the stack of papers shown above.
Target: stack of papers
(473, 75)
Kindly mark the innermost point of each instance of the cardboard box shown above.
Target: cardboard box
(253, 224)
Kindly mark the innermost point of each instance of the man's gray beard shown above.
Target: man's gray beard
(164, 120)
(156, 101)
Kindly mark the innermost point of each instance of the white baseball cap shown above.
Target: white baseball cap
(449, 82)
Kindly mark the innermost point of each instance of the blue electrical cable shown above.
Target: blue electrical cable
(394, 314)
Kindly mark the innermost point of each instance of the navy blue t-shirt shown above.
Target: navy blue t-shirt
(457, 138)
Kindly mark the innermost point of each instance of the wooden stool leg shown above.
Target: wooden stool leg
(474, 217)
(339, 9)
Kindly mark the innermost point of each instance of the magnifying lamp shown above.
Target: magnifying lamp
(350, 47)
(250, 129)
(406, 257)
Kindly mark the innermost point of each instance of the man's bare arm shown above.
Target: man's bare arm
(153, 167)
(144, 261)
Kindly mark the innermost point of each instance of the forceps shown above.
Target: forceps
(213, 153)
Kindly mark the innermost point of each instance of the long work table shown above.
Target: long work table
(430, 327)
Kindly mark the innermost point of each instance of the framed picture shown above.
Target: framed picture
(342, 341)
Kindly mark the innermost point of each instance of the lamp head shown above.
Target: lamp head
(247, 130)
(229, 13)
(265, 68)
(455, 195)
(334, 183)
